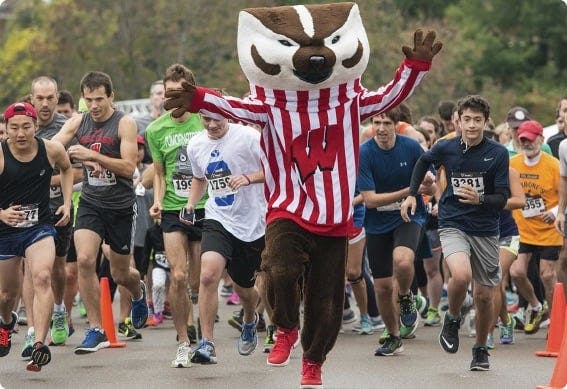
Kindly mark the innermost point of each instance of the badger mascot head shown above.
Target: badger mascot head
(303, 47)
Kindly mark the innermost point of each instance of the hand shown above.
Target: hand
(429, 179)
(65, 216)
(238, 181)
(435, 210)
(560, 223)
(179, 99)
(468, 195)
(548, 217)
(12, 215)
(409, 204)
(95, 167)
(155, 210)
(424, 49)
(80, 153)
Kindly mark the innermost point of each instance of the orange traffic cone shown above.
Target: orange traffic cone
(557, 326)
(559, 377)
(107, 315)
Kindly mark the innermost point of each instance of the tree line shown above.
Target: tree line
(511, 52)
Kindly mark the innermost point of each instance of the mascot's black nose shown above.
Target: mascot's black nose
(317, 60)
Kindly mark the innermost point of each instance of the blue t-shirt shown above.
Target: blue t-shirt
(485, 167)
(385, 171)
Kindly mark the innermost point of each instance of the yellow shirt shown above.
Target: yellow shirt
(540, 184)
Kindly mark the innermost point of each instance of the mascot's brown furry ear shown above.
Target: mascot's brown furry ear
(302, 47)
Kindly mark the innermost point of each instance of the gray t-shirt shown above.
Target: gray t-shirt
(108, 190)
(563, 158)
(47, 132)
(144, 200)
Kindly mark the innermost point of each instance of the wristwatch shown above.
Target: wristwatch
(481, 199)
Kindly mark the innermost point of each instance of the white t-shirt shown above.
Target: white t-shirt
(242, 213)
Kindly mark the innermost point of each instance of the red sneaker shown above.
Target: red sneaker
(286, 340)
(311, 374)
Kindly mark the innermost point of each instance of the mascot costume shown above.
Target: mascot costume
(304, 65)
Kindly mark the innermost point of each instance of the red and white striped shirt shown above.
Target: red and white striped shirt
(310, 142)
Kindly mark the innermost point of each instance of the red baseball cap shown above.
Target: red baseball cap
(530, 130)
(140, 140)
(20, 109)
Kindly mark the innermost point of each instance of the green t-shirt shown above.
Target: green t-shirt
(168, 144)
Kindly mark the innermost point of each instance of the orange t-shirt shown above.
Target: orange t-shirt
(541, 185)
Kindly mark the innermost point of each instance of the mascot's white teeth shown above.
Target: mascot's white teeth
(306, 20)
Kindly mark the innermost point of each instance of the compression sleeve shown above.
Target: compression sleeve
(496, 201)
(419, 170)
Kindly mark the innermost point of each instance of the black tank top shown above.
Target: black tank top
(26, 184)
(108, 190)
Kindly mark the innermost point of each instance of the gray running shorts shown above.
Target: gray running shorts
(482, 251)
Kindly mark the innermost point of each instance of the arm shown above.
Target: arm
(212, 103)
(77, 177)
(198, 188)
(148, 177)
(159, 190)
(67, 132)
(60, 159)
(373, 200)
(123, 166)
(518, 197)
(410, 73)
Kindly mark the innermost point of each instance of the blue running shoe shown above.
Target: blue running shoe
(94, 340)
(139, 313)
(205, 353)
(408, 310)
(248, 339)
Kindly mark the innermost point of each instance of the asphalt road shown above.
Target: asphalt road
(351, 364)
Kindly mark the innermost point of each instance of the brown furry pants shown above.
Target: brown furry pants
(292, 252)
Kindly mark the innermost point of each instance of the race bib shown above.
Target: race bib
(54, 192)
(219, 185)
(106, 178)
(473, 179)
(534, 206)
(181, 184)
(390, 207)
(32, 216)
(161, 260)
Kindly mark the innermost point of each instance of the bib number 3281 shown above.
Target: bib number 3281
(473, 179)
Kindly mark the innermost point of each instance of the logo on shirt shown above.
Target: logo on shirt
(42, 172)
(403, 164)
(314, 150)
(488, 159)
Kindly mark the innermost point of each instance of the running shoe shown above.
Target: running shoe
(192, 334)
(226, 291)
(311, 374)
(449, 336)
(269, 343)
(507, 331)
(248, 339)
(392, 346)
(236, 320)
(490, 341)
(432, 318)
(59, 328)
(6, 335)
(365, 325)
(139, 312)
(422, 305)
(41, 356)
(348, 316)
(127, 331)
(261, 326)
(81, 307)
(29, 341)
(520, 319)
(205, 353)
(233, 299)
(286, 341)
(22, 317)
(158, 319)
(95, 339)
(408, 332)
(182, 356)
(383, 336)
(408, 310)
(534, 320)
(480, 359)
